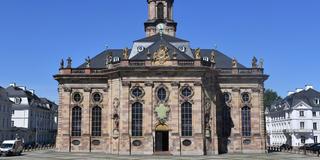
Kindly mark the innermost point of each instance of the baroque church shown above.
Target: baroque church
(161, 97)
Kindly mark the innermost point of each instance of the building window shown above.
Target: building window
(246, 121)
(137, 92)
(314, 114)
(137, 116)
(186, 119)
(77, 97)
(245, 97)
(160, 8)
(226, 97)
(317, 101)
(186, 92)
(96, 121)
(97, 97)
(12, 123)
(162, 94)
(301, 125)
(303, 139)
(315, 139)
(76, 121)
(315, 127)
(301, 113)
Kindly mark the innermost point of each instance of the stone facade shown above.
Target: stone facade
(161, 97)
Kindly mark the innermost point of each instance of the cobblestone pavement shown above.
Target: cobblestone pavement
(51, 155)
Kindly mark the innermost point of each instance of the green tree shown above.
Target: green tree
(270, 97)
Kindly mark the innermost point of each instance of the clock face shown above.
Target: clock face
(160, 26)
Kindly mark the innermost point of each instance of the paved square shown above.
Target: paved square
(51, 155)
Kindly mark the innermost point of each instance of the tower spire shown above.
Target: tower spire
(160, 14)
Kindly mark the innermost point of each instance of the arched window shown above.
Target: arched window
(246, 121)
(186, 119)
(137, 119)
(76, 121)
(160, 11)
(96, 121)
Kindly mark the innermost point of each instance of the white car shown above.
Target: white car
(11, 147)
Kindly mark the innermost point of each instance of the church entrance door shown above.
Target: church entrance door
(162, 141)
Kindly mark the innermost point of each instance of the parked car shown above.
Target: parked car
(306, 146)
(11, 147)
(315, 147)
(286, 146)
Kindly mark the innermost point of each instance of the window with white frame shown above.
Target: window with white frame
(301, 113)
(301, 125)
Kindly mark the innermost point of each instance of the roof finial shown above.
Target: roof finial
(62, 64)
(254, 62)
(88, 62)
(69, 60)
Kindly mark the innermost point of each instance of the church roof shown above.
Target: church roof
(158, 37)
(155, 46)
(152, 44)
(222, 60)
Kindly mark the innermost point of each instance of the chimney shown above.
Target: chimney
(290, 93)
(299, 90)
(23, 87)
(13, 85)
(307, 87)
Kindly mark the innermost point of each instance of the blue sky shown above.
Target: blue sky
(36, 34)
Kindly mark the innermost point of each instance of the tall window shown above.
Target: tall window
(301, 113)
(315, 126)
(137, 112)
(96, 121)
(246, 121)
(160, 8)
(186, 119)
(301, 125)
(76, 121)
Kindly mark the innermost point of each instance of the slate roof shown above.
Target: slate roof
(307, 96)
(222, 61)
(158, 37)
(18, 92)
(3, 95)
(154, 47)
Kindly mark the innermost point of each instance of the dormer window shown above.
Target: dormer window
(317, 101)
(17, 100)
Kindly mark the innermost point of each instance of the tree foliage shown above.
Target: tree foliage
(270, 97)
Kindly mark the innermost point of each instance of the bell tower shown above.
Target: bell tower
(160, 18)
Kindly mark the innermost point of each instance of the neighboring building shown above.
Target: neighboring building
(294, 120)
(34, 119)
(161, 96)
(5, 116)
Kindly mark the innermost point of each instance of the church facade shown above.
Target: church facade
(161, 97)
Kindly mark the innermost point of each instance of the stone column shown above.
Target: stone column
(124, 119)
(148, 118)
(236, 117)
(105, 120)
(63, 135)
(175, 119)
(85, 121)
(197, 119)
